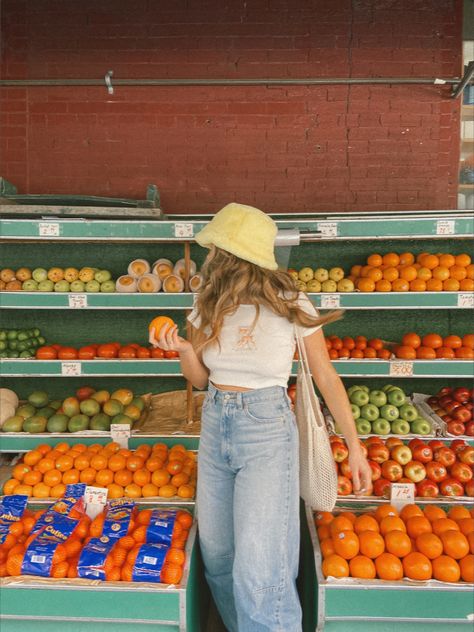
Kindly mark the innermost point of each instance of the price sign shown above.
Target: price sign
(401, 368)
(328, 229)
(466, 300)
(70, 368)
(445, 227)
(330, 301)
(48, 229)
(121, 434)
(402, 494)
(95, 499)
(77, 301)
(183, 230)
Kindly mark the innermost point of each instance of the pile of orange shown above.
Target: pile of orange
(357, 347)
(120, 562)
(66, 555)
(385, 544)
(404, 272)
(434, 346)
(148, 471)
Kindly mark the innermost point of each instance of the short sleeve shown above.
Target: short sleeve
(194, 317)
(307, 306)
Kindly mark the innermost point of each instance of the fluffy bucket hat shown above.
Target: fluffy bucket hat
(245, 231)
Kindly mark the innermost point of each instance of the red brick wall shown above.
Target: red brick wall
(280, 148)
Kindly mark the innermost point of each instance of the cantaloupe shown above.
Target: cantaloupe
(126, 283)
(149, 283)
(195, 283)
(138, 267)
(162, 268)
(7, 395)
(173, 283)
(180, 266)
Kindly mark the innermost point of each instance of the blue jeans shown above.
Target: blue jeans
(248, 508)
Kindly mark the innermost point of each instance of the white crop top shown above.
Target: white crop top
(254, 358)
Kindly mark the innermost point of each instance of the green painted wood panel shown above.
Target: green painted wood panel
(22, 625)
(24, 442)
(393, 626)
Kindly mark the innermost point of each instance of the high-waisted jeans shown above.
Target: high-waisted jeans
(248, 508)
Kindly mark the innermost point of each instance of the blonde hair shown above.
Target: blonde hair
(228, 281)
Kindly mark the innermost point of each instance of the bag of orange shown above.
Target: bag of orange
(11, 511)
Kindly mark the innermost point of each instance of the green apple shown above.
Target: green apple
(359, 398)
(93, 286)
(381, 426)
(39, 274)
(107, 286)
(45, 286)
(421, 427)
(305, 274)
(365, 388)
(329, 286)
(355, 411)
(321, 274)
(389, 412)
(77, 286)
(408, 412)
(313, 286)
(345, 285)
(400, 427)
(364, 427)
(353, 388)
(396, 397)
(378, 398)
(61, 286)
(30, 285)
(387, 387)
(102, 276)
(370, 412)
(336, 274)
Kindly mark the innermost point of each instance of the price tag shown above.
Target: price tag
(328, 229)
(401, 368)
(48, 229)
(445, 227)
(183, 230)
(95, 499)
(466, 300)
(402, 494)
(120, 433)
(330, 301)
(70, 368)
(77, 301)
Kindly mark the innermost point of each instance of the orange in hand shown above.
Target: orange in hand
(159, 322)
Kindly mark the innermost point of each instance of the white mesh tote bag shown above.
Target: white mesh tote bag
(318, 476)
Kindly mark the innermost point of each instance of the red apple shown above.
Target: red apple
(469, 429)
(469, 488)
(436, 471)
(392, 470)
(373, 439)
(345, 469)
(462, 414)
(391, 442)
(415, 471)
(444, 400)
(458, 444)
(456, 428)
(344, 486)
(461, 472)
(427, 489)
(444, 391)
(469, 406)
(466, 455)
(452, 406)
(451, 487)
(435, 443)
(405, 479)
(339, 452)
(382, 488)
(379, 453)
(423, 453)
(335, 439)
(432, 401)
(445, 456)
(401, 454)
(461, 394)
(376, 470)
(414, 442)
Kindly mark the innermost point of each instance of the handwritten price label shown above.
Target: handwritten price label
(401, 369)
(121, 434)
(183, 230)
(445, 227)
(48, 229)
(402, 494)
(466, 300)
(328, 229)
(330, 301)
(95, 499)
(70, 368)
(77, 301)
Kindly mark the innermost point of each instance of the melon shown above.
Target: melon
(138, 267)
(149, 283)
(126, 283)
(195, 283)
(180, 266)
(162, 268)
(7, 410)
(6, 395)
(173, 283)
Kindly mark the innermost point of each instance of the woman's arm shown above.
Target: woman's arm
(332, 389)
(191, 363)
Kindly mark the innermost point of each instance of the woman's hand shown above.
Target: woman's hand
(361, 472)
(169, 340)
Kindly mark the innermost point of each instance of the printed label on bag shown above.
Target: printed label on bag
(466, 300)
(402, 494)
(11, 510)
(77, 301)
(401, 369)
(149, 562)
(160, 528)
(48, 229)
(328, 229)
(183, 230)
(330, 301)
(445, 227)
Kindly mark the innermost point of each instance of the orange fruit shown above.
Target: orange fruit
(466, 525)
(429, 261)
(417, 285)
(433, 512)
(383, 286)
(441, 273)
(10, 485)
(434, 285)
(385, 510)
(323, 517)
(398, 543)
(430, 545)
(470, 271)
(60, 570)
(33, 477)
(43, 448)
(464, 353)
(388, 567)
(185, 519)
(20, 470)
(154, 463)
(64, 463)
(446, 260)
(462, 260)
(175, 556)
(327, 547)
(390, 274)
(350, 515)
(451, 285)
(362, 567)
(335, 566)
(424, 274)
(73, 547)
(408, 273)
(408, 511)
(406, 259)
(184, 491)
(135, 463)
(141, 477)
(356, 270)
(466, 285)
(32, 457)
(126, 573)
(445, 569)
(123, 477)
(24, 490)
(159, 322)
(98, 462)
(365, 285)
(45, 465)
(340, 523)
(113, 574)
(16, 529)
(117, 462)
(470, 539)
(52, 478)
(392, 523)
(115, 491)
(391, 259)
(425, 353)
(466, 565)
(127, 542)
(139, 534)
(416, 525)
(371, 544)
(452, 342)
(417, 566)
(71, 477)
(457, 272)
(14, 564)
(346, 544)
(82, 529)
(104, 478)
(88, 475)
(443, 524)
(132, 491)
(458, 512)
(455, 544)
(374, 260)
(149, 490)
(171, 573)
(375, 274)
(400, 285)
(434, 341)
(95, 529)
(167, 491)
(58, 491)
(119, 554)
(323, 532)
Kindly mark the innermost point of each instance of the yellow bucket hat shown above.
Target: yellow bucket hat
(243, 231)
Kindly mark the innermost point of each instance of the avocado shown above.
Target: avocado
(35, 424)
(57, 423)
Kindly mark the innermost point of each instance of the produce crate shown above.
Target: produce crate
(85, 606)
(351, 605)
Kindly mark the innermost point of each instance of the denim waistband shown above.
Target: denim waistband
(242, 397)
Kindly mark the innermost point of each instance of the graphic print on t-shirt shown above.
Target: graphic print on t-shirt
(246, 340)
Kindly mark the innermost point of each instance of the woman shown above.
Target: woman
(244, 320)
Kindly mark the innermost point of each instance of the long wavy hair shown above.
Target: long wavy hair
(228, 281)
